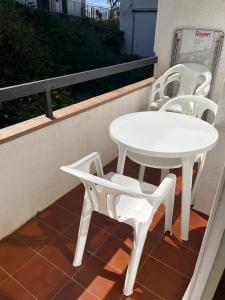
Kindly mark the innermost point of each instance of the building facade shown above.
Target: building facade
(138, 21)
(77, 8)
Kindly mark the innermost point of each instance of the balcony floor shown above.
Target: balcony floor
(36, 260)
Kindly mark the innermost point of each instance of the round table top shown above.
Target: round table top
(163, 134)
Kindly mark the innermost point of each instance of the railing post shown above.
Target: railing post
(48, 106)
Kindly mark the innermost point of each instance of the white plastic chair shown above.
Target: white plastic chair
(189, 105)
(192, 79)
(124, 199)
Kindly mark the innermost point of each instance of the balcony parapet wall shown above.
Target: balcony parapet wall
(32, 151)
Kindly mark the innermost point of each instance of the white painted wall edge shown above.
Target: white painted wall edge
(210, 182)
(210, 200)
(209, 248)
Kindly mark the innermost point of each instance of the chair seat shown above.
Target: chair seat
(130, 207)
(133, 184)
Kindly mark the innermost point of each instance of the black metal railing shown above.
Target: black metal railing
(47, 85)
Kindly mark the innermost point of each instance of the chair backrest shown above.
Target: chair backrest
(101, 193)
(195, 80)
(191, 78)
(159, 87)
(192, 105)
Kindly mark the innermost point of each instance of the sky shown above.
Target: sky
(99, 2)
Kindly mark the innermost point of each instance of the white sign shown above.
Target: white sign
(196, 41)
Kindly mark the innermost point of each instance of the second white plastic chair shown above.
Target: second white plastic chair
(189, 105)
(124, 199)
(191, 78)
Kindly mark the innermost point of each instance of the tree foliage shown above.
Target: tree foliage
(114, 8)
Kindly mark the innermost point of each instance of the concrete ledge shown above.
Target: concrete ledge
(12, 132)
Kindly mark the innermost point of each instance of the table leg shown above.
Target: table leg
(187, 171)
(121, 159)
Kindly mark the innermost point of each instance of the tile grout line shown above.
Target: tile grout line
(177, 271)
(148, 289)
(36, 254)
(85, 288)
(66, 275)
(131, 244)
(52, 298)
(29, 292)
(75, 280)
(95, 254)
(149, 255)
(24, 243)
(63, 232)
(28, 246)
(67, 210)
(188, 247)
(192, 227)
(78, 217)
(11, 277)
(4, 271)
(181, 246)
(4, 280)
(62, 271)
(97, 248)
(106, 263)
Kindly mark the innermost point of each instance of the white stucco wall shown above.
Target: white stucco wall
(214, 169)
(175, 14)
(30, 179)
(145, 26)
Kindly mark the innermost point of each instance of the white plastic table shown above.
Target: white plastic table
(165, 135)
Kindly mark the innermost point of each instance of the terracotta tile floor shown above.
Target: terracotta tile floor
(36, 260)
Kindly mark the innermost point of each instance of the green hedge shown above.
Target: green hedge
(35, 44)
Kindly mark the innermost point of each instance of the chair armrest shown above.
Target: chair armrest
(84, 164)
(168, 184)
(204, 88)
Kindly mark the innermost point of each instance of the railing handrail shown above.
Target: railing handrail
(46, 85)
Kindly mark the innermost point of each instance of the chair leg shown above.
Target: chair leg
(169, 204)
(141, 173)
(201, 163)
(83, 232)
(140, 234)
(164, 173)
